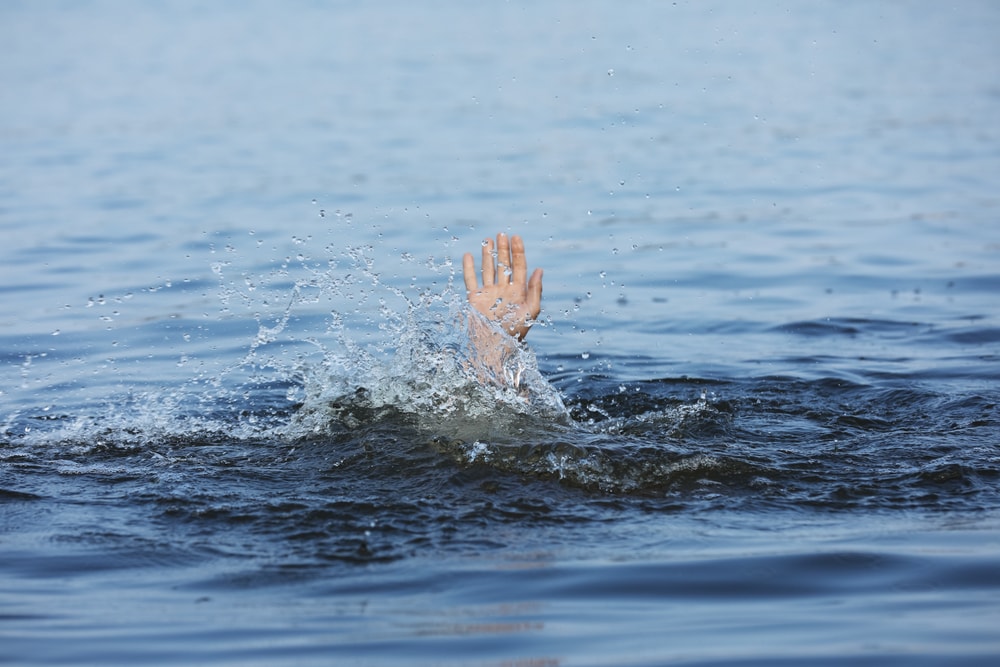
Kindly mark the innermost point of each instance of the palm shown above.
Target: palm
(507, 295)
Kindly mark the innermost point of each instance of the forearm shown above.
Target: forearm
(492, 353)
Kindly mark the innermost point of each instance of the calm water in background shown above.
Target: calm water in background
(769, 353)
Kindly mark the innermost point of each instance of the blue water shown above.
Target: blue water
(762, 424)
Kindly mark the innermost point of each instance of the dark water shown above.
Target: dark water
(762, 425)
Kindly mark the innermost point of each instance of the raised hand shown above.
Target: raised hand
(507, 295)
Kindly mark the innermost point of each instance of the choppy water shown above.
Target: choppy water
(762, 426)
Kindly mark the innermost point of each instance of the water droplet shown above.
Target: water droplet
(585, 355)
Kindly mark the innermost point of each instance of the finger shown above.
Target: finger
(535, 294)
(519, 263)
(469, 272)
(488, 260)
(503, 258)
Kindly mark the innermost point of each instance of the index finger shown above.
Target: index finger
(488, 259)
(518, 260)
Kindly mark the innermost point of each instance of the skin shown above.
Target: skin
(507, 295)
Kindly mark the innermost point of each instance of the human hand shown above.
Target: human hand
(507, 296)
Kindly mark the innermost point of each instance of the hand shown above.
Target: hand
(507, 295)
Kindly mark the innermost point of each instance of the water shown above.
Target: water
(762, 425)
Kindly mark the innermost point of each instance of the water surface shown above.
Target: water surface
(762, 424)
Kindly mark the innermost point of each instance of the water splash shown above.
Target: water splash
(384, 350)
(333, 339)
(434, 377)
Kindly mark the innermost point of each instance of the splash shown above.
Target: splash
(388, 350)
(385, 350)
(328, 345)
(435, 377)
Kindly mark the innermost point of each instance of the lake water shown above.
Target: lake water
(763, 425)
